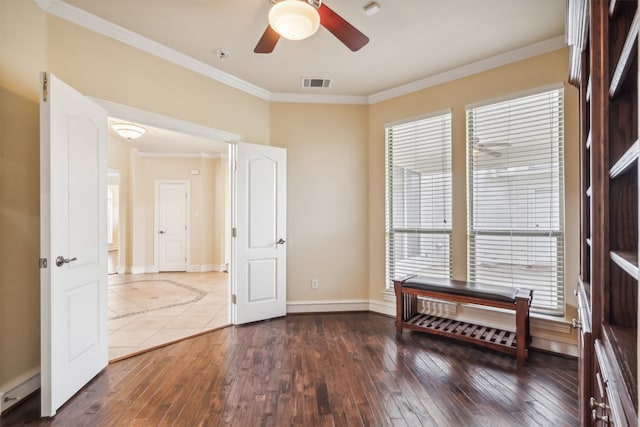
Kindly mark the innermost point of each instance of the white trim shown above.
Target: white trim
(548, 333)
(139, 269)
(108, 29)
(149, 118)
(303, 98)
(382, 308)
(417, 118)
(555, 346)
(327, 306)
(205, 268)
(116, 32)
(513, 96)
(16, 390)
(467, 70)
(181, 155)
(187, 232)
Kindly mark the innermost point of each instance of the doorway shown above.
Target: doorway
(171, 224)
(172, 280)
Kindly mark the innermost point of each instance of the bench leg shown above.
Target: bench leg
(522, 330)
(397, 287)
(406, 305)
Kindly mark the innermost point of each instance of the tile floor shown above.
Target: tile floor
(147, 310)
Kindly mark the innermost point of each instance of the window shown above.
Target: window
(418, 197)
(515, 196)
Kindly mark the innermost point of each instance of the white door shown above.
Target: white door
(171, 225)
(73, 240)
(259, 251)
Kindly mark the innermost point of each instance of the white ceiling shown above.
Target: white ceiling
(410, 40)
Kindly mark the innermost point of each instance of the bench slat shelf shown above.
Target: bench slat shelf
(515, 343)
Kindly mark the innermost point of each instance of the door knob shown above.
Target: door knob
(60, 261)
(280, 242)
(160, 232)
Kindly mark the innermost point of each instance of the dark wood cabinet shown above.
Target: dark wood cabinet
(603, 36)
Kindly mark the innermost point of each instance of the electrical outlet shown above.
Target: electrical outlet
(314, 283)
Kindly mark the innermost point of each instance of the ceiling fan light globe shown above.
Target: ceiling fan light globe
(294, 19)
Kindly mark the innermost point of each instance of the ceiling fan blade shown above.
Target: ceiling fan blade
(345, 32)
(268, 41)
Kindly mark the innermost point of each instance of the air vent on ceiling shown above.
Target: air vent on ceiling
(307, 82)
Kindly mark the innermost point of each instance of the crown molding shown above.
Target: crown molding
(109, 29)
(181, 155)
(302, 98)
(467, 70)
(99, 25)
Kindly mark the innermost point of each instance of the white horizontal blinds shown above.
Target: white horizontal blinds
(418, 198)
(515, 188)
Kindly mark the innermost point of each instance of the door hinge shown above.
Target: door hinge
(43, 263)
(45, 87)
(233, 298)
(233, 232)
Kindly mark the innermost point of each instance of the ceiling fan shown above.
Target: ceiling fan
(298, 19)
(489, 147)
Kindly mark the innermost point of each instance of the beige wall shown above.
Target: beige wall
(119, 154)
(107, 69)
(335, 161)
(22, 55)
(203, 236)
(522, 76)
(327, 198)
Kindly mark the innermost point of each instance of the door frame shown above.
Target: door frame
(187, 231)
(110, 173)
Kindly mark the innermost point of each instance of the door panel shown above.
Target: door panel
(262, 280)
(73, 228)
(259, 248)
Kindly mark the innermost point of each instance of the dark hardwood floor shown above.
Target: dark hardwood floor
(324, 369)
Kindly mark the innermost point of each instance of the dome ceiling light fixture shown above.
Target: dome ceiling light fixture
(294, 19)
(128, 130)
(299, 19)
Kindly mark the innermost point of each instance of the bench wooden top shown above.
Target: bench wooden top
(462, 288)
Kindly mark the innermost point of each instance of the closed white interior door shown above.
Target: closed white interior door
(73, 238)
(171, 225)
(259, 248)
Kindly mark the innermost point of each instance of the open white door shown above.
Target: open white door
(73, 241)
(259, 247)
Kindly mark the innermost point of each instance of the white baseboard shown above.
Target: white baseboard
(327, 306)
(382, 307)
(138, 269)
(19, 388)
(205, 268)
(548, 334)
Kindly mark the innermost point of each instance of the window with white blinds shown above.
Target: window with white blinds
(418, 197)
(515, 196)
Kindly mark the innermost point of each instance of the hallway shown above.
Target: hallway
(148, 310)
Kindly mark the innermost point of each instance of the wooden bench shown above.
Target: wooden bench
(408, 316)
